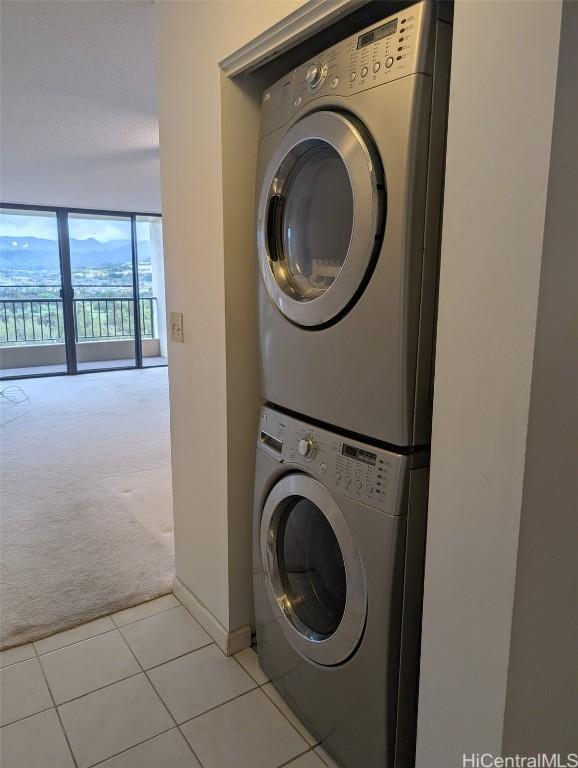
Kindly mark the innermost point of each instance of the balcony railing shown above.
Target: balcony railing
(38, 321)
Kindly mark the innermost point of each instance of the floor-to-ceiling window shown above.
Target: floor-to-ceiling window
(102, 277)
(79, 291)
(151, 289)
(31, 308)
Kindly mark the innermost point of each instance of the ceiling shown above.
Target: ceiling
(78, 104)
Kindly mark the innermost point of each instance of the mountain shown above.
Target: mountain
(39, 253)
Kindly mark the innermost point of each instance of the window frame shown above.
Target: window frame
(61, 213)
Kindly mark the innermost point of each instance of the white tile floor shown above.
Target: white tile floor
(144, 688)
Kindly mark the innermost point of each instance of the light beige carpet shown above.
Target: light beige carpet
(86, 516)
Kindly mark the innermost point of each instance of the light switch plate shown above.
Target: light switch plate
(177, 326)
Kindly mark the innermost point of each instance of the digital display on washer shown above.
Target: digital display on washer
(359, 454)
(377, 34)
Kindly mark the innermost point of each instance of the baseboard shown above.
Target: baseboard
(228, 642)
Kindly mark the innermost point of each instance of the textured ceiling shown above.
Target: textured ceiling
(78, 104)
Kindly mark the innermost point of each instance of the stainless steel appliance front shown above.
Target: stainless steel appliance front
(338, 545)
(349, 190)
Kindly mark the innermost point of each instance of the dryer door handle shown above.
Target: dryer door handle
(274, 214)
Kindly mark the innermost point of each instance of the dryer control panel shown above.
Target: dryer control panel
(397, 46)
(344, 465)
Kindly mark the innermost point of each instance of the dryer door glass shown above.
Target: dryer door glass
(317, 221)
(311, 568)
(321, 216)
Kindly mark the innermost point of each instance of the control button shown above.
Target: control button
(363, 71)
(298, 101)
(352, 76)
(306, 447)
(369, 490)
(323, 468)
(359, 484)
(267, 96)
(338, 476)
(347, 480)
(292, 452)
(376, 66)
(389, 61)
(335, 82)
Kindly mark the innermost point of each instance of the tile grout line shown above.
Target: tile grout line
(99, 634)
(128, 749)
(239, 696)
(56, 708)
(160, 698)
(261, 686)
(14, 663)
(150, 616)
(168, 661)
(77, 642)
(96, 690)
(212, 709)
(142, 670)
(20, 719)
(286, 718)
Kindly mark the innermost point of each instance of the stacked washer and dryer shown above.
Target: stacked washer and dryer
(349, 185)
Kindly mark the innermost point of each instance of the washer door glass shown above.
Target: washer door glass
(312, 570)
(316, 222)
(320, 217)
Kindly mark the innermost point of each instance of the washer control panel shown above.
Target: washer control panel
(397, 46)
(346, 466)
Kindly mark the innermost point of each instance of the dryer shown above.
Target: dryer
(338, 550)
(349, 191)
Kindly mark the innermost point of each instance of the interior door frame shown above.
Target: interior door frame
(67, 289)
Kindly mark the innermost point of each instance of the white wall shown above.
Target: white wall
(542, 697)
(499, 135)
(78, 104)
(207, 169)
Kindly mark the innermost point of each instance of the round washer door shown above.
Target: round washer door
(320, 217)
(313, 570)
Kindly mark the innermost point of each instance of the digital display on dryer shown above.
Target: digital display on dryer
(359, 454)
(377, 34)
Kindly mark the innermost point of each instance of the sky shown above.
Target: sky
(44, 225)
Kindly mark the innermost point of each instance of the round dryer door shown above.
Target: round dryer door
(313, 570)
(320, 217)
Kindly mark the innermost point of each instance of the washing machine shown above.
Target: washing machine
(349, 193)
(338, 552)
